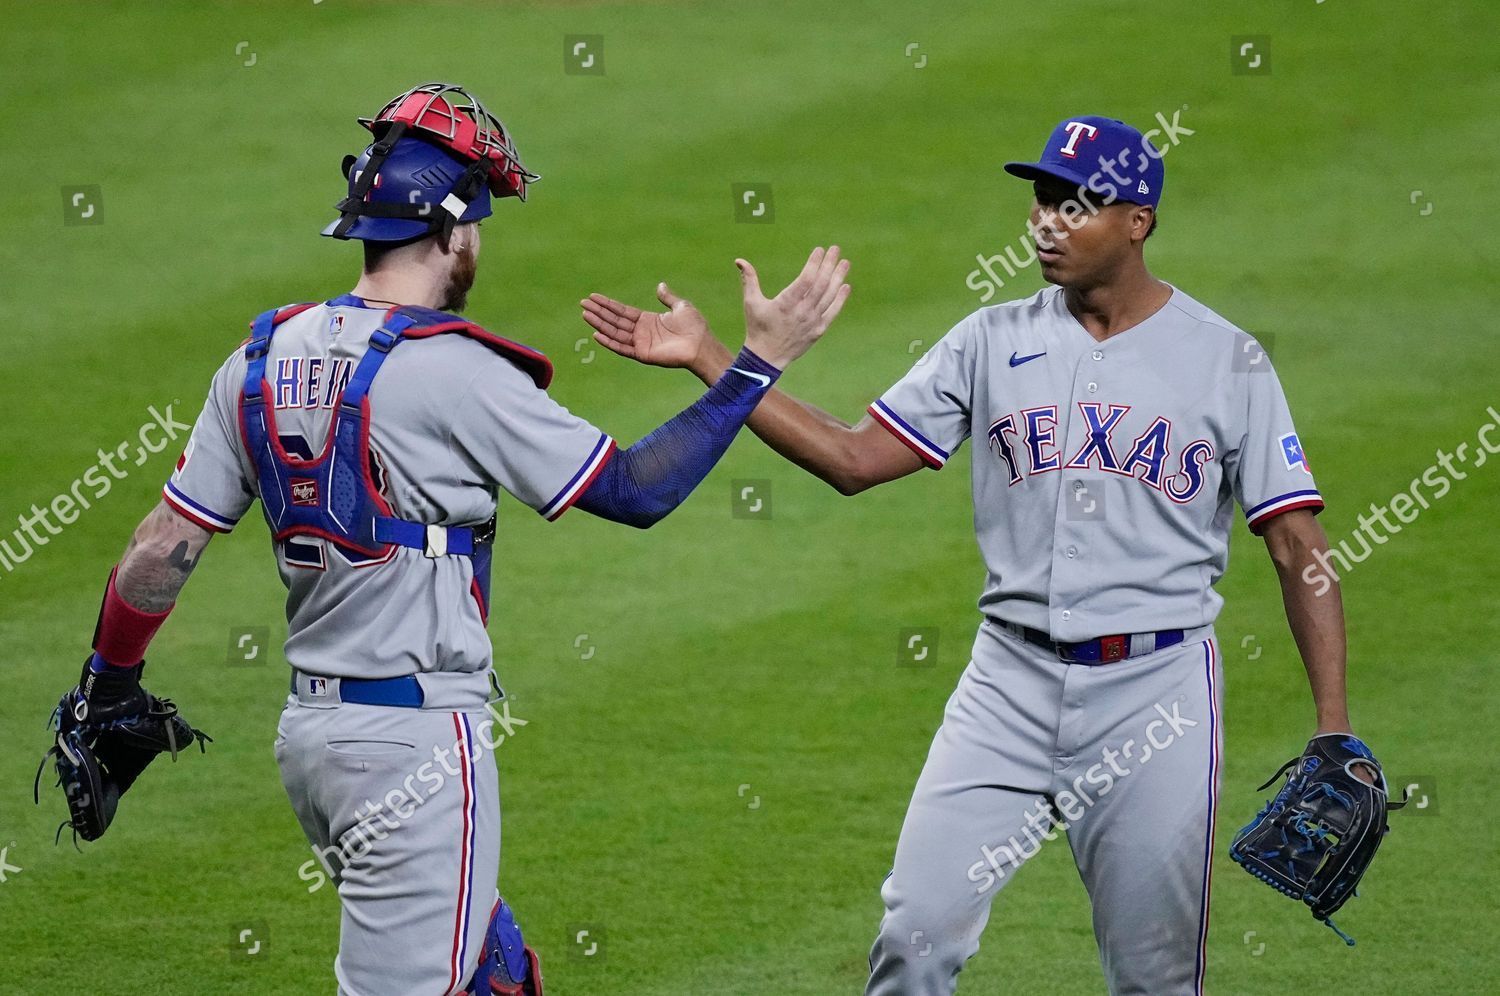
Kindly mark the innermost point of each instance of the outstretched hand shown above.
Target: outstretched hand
(671, 338)
(777, 329)
(782, 328)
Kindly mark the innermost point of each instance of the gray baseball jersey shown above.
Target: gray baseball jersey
(451, 422)
(1103, 498)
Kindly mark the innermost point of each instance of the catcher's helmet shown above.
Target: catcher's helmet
(434, 163)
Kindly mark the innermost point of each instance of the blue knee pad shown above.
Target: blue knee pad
(507, 967)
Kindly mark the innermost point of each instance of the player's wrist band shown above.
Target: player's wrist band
(747, 360)
(642, 483)
(124, 631)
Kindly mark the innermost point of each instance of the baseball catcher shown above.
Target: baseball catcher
(108, 729)
(1316, 839)
(377, 428)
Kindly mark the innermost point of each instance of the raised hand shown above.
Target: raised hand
(782, 328)
(672, 338)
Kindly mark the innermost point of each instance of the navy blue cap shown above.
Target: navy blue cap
(1103, 155)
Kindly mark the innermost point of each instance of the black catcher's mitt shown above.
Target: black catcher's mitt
(1315, 840)
(107, 730)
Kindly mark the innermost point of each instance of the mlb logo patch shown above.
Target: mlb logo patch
(1291, 451)
(317, 686)
(336, 324)
(304, 491)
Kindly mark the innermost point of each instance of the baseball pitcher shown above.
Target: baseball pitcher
(1117, 422)
(376, 428)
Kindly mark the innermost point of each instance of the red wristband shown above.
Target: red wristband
(124, 631)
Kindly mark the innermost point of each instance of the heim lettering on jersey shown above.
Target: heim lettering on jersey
(309, 381)
(1033, 432)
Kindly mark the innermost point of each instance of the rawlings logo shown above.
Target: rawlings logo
(304, 491)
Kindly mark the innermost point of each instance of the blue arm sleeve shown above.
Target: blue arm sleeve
(642, 483)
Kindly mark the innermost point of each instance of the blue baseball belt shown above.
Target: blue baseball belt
(403, 692)
(1100, 650)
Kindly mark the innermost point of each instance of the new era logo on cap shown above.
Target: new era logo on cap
(1143, 189)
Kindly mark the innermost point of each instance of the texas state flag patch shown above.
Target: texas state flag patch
(1291, 450)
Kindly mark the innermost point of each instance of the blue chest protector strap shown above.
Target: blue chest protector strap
(332, 496)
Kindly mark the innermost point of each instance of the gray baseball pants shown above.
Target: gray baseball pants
(402, 809)
(1121, 758)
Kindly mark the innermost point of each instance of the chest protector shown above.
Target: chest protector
(332, 496)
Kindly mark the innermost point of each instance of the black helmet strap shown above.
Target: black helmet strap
(350, 207)
(452, 207)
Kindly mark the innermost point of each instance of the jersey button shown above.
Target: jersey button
(1093, 387)
(1098, 354)
(1066, 615)
(1077, 485)
(1072, 552)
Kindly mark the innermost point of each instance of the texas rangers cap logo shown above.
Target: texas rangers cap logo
(1075, 130)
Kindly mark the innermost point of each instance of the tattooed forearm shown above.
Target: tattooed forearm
(183, 558)
(162, 553)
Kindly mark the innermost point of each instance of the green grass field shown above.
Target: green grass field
(659, 673)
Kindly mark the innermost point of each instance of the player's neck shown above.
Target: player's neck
(399, 287)
(1110, 308)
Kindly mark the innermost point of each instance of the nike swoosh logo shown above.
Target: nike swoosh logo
(760, 379)
(1016, 361)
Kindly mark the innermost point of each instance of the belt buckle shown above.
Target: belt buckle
(1113, 648)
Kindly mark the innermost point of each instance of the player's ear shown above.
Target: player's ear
(462, 237)
(1142, 222)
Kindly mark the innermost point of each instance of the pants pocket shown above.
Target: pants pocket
(386, 756)
(371, 748)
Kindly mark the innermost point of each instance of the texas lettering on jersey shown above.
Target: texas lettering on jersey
(1032, 432)
(1105, 490)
